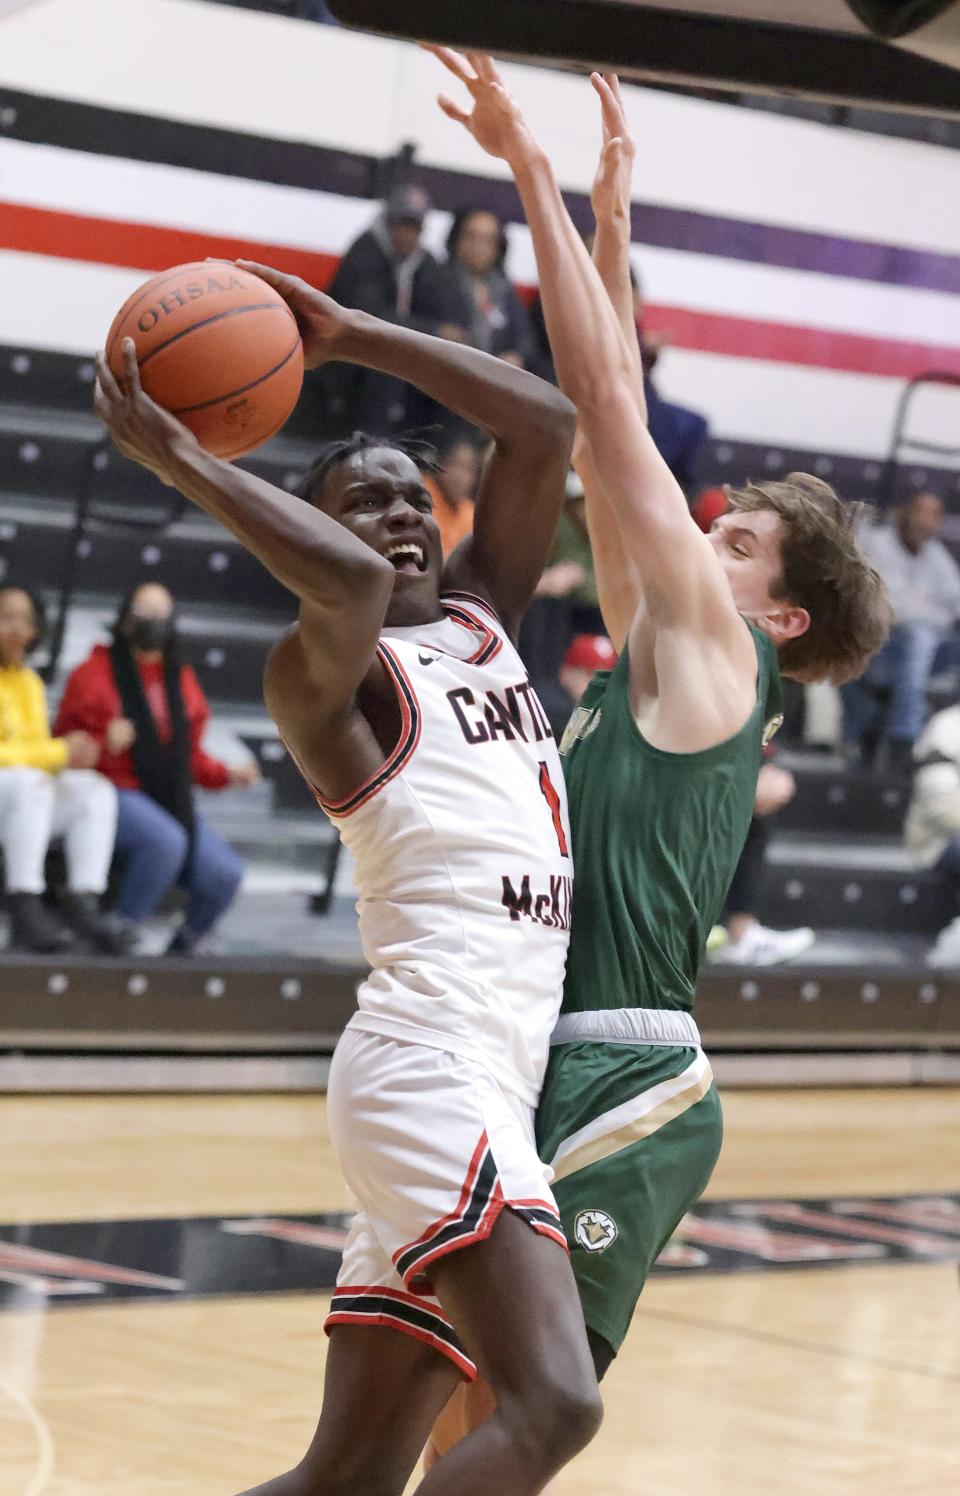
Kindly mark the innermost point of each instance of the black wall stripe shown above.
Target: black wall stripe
(144, 137)
(98, 131)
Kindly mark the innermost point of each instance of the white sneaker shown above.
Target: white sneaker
(946, 950)
(759, 946)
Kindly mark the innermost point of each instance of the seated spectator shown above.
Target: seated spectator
(147, 713)
(48, 788)
(923, 580)
(390, 273)
(476, 292)
(744, 939)
(453, 488)
(932, 829)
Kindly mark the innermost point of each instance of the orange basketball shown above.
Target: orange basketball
(218, 348)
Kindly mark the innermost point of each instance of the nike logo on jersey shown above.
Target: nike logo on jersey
(426, 659)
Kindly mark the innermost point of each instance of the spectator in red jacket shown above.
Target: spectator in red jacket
(148, 713)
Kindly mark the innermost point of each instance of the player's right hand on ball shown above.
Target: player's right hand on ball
(322, 321)
(141, 429)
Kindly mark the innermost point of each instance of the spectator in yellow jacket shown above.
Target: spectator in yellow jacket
(48, 788)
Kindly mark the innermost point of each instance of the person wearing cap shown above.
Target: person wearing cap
(390, 273)
(587, 654)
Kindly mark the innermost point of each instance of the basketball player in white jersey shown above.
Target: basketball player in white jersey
(402, 697)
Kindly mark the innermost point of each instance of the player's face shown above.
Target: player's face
(748, 547)
(18, 626)
(380, 496)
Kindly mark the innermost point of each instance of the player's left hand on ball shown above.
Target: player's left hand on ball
(141, 429)
(495, 121)
(323, 322)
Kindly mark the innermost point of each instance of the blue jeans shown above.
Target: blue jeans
(155, 845)
(903, 668)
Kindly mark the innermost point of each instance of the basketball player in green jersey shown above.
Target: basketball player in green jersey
(662, 754)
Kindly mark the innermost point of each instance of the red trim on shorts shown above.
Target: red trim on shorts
(391, 1322)
(491, 1213)
(465, 1194)
(542, 1229)
(444, 1339)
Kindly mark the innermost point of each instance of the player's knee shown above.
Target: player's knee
(561, 1417)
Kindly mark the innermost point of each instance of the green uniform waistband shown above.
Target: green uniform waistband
(628, 1026)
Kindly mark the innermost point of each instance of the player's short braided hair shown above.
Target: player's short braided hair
(332, 454)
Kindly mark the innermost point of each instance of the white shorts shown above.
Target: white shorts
(433, 1150)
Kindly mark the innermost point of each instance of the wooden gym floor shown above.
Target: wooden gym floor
(794, 1382)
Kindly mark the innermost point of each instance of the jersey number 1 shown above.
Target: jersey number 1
(549, 792)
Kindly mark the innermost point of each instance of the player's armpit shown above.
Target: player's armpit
(311, 684)
(690, 689)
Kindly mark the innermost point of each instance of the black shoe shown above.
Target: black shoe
(108, 933)
(33, 927)
(184, 943)
(900, 757)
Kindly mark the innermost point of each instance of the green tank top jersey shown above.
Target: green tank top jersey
(656, 840)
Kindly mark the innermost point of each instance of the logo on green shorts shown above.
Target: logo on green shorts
(594, 1230)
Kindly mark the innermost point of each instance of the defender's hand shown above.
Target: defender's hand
(323, 322)
(141, 429)
(495, 121)
(610, 193)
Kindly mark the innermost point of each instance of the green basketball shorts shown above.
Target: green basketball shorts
(632, 1133)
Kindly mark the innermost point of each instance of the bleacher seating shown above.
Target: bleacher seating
(835, 860)
(52, 455)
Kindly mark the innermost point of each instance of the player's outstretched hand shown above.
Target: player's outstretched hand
(610, 194)
(495, 121)
(141, 429)
(322, 321)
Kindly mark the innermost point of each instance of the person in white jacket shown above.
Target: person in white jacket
(932, 830)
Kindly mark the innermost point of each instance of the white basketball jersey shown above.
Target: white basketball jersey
(462, 846)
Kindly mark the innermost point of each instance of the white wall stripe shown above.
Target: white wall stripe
(67, 306)
(176, 197)
(296, 81)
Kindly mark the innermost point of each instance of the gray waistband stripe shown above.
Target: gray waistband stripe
(628, 1026)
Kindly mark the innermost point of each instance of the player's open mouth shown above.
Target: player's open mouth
(407, 557)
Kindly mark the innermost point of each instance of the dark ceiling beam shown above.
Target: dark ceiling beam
(675, 47)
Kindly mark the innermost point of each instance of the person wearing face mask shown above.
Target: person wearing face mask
(48, 788)
(147, 712)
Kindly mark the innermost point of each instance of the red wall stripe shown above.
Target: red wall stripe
(150, 247)
(144, 246)
(785, 343)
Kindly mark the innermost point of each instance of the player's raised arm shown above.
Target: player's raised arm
(682, 580)
(619, 585)
(343, 585)
(531, 425)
